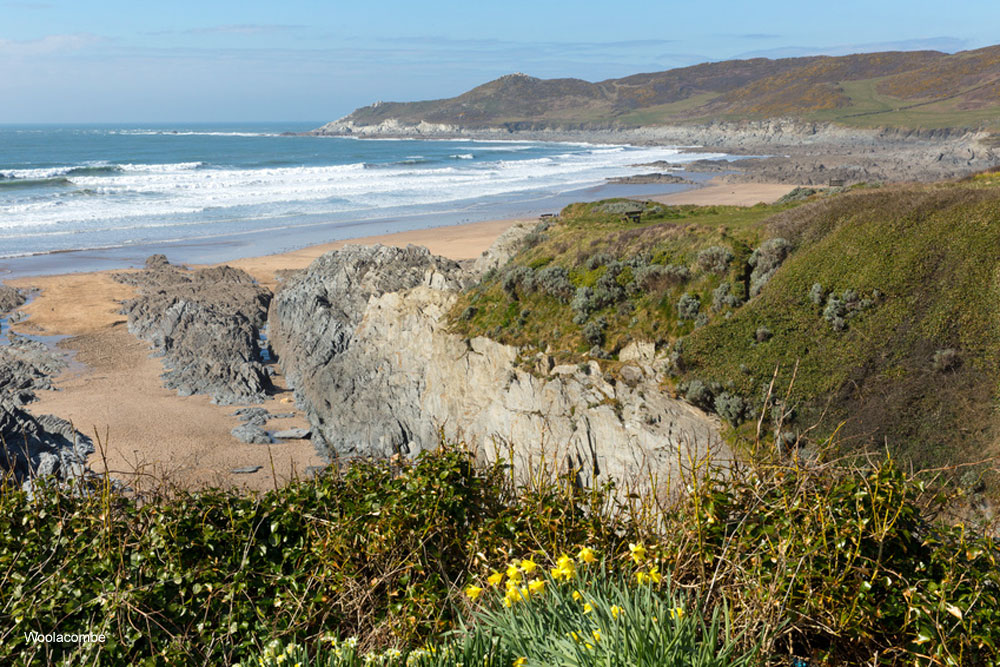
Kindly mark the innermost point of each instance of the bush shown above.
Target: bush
(731, 407)
(610, 288)
(817, 295)
(655, 277)
(598, 259)
(762, 335)
(207, 577)
(697, 393)
(593, 331)
(723, 297)
(765, 260)
(715, 259)
(688, 306)
(583, 304)
(554, 281)
(517, 278)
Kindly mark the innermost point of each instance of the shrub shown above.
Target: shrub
(583, 304)
(723, 297)
(517, 278)
(697, 393)
(762, 335)
(655, 277)
(731, 407)
(593, 331)
(554, 281)
(715, 259)
(688, 306)
(765, 260)
(817, 295)
(598, 259)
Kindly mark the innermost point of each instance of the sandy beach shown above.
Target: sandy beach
(113, 391)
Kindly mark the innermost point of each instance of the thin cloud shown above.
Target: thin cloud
(48, 45)
(945, 44)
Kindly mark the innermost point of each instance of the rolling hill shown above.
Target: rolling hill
(912, 89)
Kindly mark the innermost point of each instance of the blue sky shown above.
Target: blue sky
(243, 60)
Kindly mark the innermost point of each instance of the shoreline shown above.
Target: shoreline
(114, 389)
(255, 243)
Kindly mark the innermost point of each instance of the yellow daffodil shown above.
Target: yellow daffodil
(597, 634)
(473, 591)
(616, 611)
(677, 613)
(638, 552)
(575, 637)
(654, 575)
(587, 555)
(590, 647)
(513, 573)
(520, 662)
(587, 607)
(495, 579)
(528, 566)
(641, 577)
(565, 568)
(577, 595)
(536, 587)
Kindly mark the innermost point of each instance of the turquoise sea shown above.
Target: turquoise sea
(111, 194)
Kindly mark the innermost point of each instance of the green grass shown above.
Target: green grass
(922, 258)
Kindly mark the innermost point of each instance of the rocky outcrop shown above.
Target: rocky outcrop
(40, 446)
(801, 152)
(206, 324)
(313, 316)
(26, 366)
(378, 374)
(10, 299)
(33, 446)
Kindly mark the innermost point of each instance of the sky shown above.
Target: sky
(84, 61)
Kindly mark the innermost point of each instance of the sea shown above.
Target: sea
(86, 197)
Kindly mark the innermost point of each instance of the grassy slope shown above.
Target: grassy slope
(929, 251)
(924, 89)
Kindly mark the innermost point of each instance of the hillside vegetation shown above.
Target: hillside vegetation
(439, 562)
(877, 310)
(916, 89)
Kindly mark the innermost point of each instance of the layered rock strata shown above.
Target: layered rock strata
(362, 337)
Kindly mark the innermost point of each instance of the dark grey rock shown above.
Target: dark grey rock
(291, 434)
(206, 324)
(252, 434)
(40, 446)
(646, 179)
(26, 366)
(314, 314)
(245, 471)
(10, 299)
